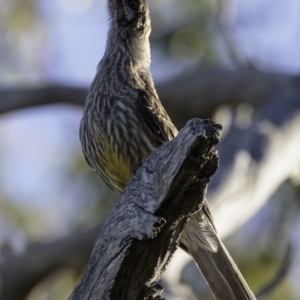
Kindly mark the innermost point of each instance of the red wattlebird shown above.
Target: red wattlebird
(124, 121)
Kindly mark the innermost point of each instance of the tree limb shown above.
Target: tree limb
(142, 232)
(195, 94)
(199, 92)
(15, 98)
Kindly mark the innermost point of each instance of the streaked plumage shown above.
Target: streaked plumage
(124, 121)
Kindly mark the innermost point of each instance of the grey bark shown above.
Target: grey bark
(142, 232)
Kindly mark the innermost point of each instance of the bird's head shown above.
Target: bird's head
(131, 16)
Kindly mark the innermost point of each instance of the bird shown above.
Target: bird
(124, 121)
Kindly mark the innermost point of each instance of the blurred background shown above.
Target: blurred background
(235, 61)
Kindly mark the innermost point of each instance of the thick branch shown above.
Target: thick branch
(194, 94)
(15, 98)
(142, 232)
(199, 92)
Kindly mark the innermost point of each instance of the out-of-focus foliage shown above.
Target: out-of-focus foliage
(260, 270)
(100, 198)
(18, 16)
(21, 218)
(190, 30)
(22, 33)
(58, 285)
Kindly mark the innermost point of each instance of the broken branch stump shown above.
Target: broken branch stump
(142, 232)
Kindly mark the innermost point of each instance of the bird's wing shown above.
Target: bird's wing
(154, 117)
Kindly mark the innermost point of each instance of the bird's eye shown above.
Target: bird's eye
(133, 5)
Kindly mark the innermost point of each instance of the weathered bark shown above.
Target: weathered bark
(142, 232)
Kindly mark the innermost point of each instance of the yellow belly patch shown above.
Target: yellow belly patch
(118, 169)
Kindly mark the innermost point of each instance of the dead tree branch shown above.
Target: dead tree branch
(142, 232)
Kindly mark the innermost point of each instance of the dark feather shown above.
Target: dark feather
(154, 117)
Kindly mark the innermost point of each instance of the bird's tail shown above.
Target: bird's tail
(222, 275)
(201, 241)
